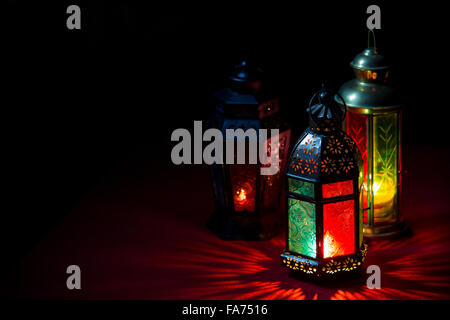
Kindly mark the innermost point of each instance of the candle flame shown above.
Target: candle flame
(376, 186)
(241, 195)
(330, 246)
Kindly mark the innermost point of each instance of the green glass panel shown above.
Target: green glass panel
(302, 227)
(385, 168)
(301, 187)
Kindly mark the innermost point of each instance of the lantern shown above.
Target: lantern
(324, 229)
(248, 203)
(373, 120)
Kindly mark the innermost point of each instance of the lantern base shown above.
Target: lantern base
(245, 225)
(326, 268)
(386, 231)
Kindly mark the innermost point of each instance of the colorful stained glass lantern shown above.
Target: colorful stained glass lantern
(374, 116)
(324, 227)
(248, 203)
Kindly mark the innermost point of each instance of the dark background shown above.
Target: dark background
(76, 103)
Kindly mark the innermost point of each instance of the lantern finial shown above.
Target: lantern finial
(327, 112)
(246, 76)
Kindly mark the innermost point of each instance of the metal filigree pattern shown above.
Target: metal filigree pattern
(339, 155)
(328, 166)
(334, 145)
(302, 227)
(346, 164)
(322, 154)
(328, 268)
(305, 159)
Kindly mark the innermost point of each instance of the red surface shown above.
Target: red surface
(339, 228)
(141, 235)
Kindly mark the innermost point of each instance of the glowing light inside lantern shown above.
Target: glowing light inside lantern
(244, 196)
(382, 190)
(339, 228)
(331, 247)
(243, 179)
(377, 140)
(241, 195)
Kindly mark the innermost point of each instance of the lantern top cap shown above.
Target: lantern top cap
(327, 112)
(325, 153)
(246, 77)
(370, 59)
(245, 72)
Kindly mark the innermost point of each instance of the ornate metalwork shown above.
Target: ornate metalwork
(323, 203)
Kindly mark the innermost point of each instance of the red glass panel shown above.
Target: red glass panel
(356, 125)
(337, 189)
(338, 228)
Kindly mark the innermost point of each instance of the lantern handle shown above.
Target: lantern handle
(373, 38)
(320, 101)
